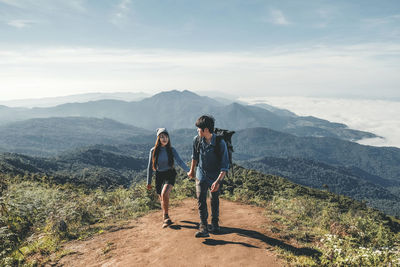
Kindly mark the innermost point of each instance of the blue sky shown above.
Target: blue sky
(244, 47)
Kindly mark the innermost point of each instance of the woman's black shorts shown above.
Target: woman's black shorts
(165, 177)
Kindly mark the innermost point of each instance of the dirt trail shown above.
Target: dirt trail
(242, 242)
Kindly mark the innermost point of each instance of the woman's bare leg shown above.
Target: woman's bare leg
(160, 198)
(165, 198)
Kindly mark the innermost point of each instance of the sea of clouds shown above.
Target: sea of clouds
(381, 117)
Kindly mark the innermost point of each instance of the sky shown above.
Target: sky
(247, 48)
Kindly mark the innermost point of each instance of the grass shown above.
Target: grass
(37, 217)
(344, 232)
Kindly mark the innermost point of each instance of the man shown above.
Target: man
(210, 155)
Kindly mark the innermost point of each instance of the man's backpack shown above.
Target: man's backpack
(226, 135)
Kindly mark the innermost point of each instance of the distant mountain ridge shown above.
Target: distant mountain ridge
(261, 142)
(78, 98)
(176, 110)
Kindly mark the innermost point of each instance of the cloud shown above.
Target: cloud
(365, 69)
(121, 13)
(46, 5)
(78, 5)
(13, 3)
(376, 116)
(21, 23)
(277, 17)
(324, 17)
(382, 20)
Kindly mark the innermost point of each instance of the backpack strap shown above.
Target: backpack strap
(197, 142)
(217, 148)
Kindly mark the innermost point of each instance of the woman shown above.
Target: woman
(161, 160)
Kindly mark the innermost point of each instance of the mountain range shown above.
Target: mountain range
(79, 98)
(176, 110)
(260, 142)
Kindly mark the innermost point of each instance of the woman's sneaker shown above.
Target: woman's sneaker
(203, 232)
(167, 222)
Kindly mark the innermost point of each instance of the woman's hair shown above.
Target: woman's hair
(206, 121)
(156, 152)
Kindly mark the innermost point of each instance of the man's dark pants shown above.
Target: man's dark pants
(201, 190)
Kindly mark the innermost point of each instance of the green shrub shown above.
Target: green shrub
(59, 213)
(346, 232)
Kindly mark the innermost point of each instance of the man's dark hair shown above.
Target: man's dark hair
(206, 121)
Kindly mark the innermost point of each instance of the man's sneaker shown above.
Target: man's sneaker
(203, 232)
(215, 229)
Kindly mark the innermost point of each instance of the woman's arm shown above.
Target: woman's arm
(179, 160)
(150, 168)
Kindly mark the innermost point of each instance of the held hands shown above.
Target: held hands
(191, 174)
(215, 186)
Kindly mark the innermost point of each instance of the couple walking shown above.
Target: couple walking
(210, 155)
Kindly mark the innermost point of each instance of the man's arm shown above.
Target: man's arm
(191, 173)
(225, 157)
(195, 158)
(216, 184)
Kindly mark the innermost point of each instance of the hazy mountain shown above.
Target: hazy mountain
(79, 98)
(262, 142)
(8, 114)
(215, 94)
(278, 111)
(49, 136)
(221, 97)
(176, 110)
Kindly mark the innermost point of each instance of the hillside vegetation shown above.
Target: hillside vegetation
(338, 180)
(344, 231)
(90, 167)
(38, 215)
